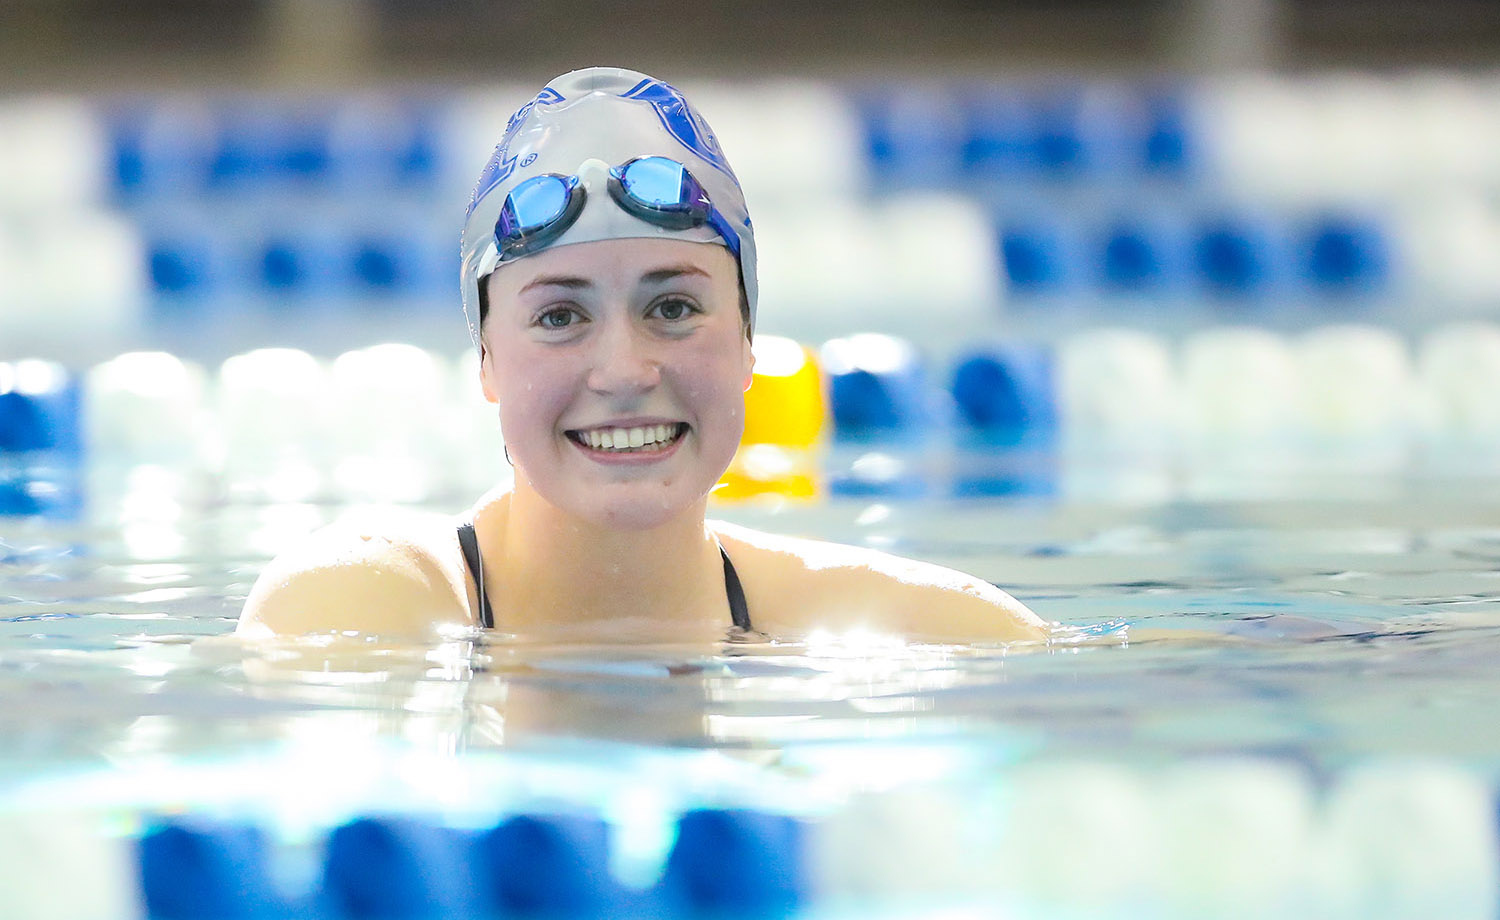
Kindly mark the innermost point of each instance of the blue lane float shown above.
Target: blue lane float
(877, 387)
(41, 441)
(1007, 392)
(190, 870)
(550, 867)
(399, 869)
(882, 408)
(1006, 401)
(732, 864)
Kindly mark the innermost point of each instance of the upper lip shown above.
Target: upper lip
(639, 421)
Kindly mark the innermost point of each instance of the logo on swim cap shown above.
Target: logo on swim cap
(681, 121)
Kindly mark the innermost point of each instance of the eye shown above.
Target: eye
(673, 308)
(557, 318)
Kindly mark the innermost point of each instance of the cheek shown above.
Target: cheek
(713, 377)
(532, 391)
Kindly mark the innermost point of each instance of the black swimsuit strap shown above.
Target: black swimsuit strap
(739, 611)
(470, 544)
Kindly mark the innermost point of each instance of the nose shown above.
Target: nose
(624, 362)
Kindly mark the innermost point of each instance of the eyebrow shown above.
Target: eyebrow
(672, 271)
(563, 281)
(575, 283)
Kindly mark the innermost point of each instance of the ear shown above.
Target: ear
(487, 374)
(749, 362)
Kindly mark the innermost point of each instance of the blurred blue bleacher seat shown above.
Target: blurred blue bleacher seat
(1345, 254)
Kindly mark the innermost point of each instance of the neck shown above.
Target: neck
(561, 576)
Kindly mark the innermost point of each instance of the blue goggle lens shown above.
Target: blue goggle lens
(532, 205)
(658, 182)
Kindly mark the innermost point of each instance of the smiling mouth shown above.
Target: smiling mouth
(643, 439)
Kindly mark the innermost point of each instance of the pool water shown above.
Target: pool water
(1260, 655)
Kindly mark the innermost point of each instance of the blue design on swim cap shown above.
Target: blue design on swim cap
(500, 165)
(548, 96)
(496, 171)
(681, 121)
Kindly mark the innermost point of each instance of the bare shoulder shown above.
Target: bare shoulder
(795, 585)
(395, 574)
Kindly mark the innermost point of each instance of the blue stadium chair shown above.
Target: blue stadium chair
(1167, 146)
(381, 144)
(1062, 144)
(264, 144)
(292, 260)
(1039, 254)
(998, 135)
(1239, 257)
(397, 253)
(1346, 255)
(162, 148)
(187, 263)
(914, 137)
(1140, 253)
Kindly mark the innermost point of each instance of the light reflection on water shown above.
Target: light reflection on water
(1324, 633)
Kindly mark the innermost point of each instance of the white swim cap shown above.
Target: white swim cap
(582, 124)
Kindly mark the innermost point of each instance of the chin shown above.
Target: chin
(640, 511)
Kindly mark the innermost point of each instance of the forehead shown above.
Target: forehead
(615, 263)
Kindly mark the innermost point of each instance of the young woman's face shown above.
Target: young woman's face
(620, 368)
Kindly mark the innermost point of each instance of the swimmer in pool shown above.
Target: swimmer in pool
(609, 282)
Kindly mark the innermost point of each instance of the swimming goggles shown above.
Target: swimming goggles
(658, 190)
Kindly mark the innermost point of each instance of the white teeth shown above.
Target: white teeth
(647, 436)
